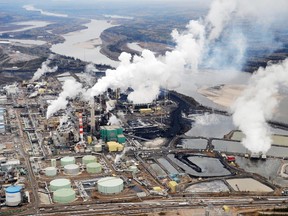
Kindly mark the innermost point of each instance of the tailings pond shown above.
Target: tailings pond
(199, 165)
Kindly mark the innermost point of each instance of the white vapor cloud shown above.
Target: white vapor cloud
(257, 104)
(71, 89)
(45, 13)
(44, 69)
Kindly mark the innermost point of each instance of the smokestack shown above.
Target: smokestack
(81, 126)
(92, 116)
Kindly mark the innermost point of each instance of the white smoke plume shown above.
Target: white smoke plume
(113, 120)
(147, 74)
(44, 69)
(71, 89)
(90, 68)
(257, 104)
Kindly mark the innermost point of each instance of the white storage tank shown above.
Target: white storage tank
(59, 184)
(13, 195)
(97, 148)
(89, 159)
(67, 160)
(110, 185)
(53, 162)
(71, 169)
(51, 171)
(94, 168)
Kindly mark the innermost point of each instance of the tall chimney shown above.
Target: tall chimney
(92, 115)
(81, 126)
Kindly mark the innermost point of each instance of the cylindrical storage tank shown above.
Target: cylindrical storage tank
(98, 148)
(64, 195)
(59, 184)
(110, 185)
(67, 160)
(94, 168)
(13, 195)
(71, 169)
(50, 171)
(89, 159)
(53, 162)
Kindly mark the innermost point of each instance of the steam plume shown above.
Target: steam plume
(71, 89)
(44, 69)
(201, 44)
(255, 107)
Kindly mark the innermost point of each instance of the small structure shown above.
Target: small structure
(51, 171)
(114, 146)
(231, 158)
(53, 162)
(97, 148)
(173, 186)
(133, 169)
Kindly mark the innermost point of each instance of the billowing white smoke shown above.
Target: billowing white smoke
(147, 74)
(71, 89)
(113, 120)
(44, 69)
(255, 107)
(90, 68)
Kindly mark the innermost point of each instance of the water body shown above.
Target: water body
(29, 42)
(86, 44)
(27, 25)
(210, 125)
(203, 166)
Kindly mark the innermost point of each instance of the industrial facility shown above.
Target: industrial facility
(111, 151)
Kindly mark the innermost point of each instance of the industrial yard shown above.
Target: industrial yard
(131, 156)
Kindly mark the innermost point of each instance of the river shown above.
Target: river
(86, 44)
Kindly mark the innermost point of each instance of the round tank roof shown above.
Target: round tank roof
(60, 182)
(64, 192)
(13, 189)
(50, 168)
(71, 166)
(94, 164)
(67, 158)
(88, 157)
(110, 182)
